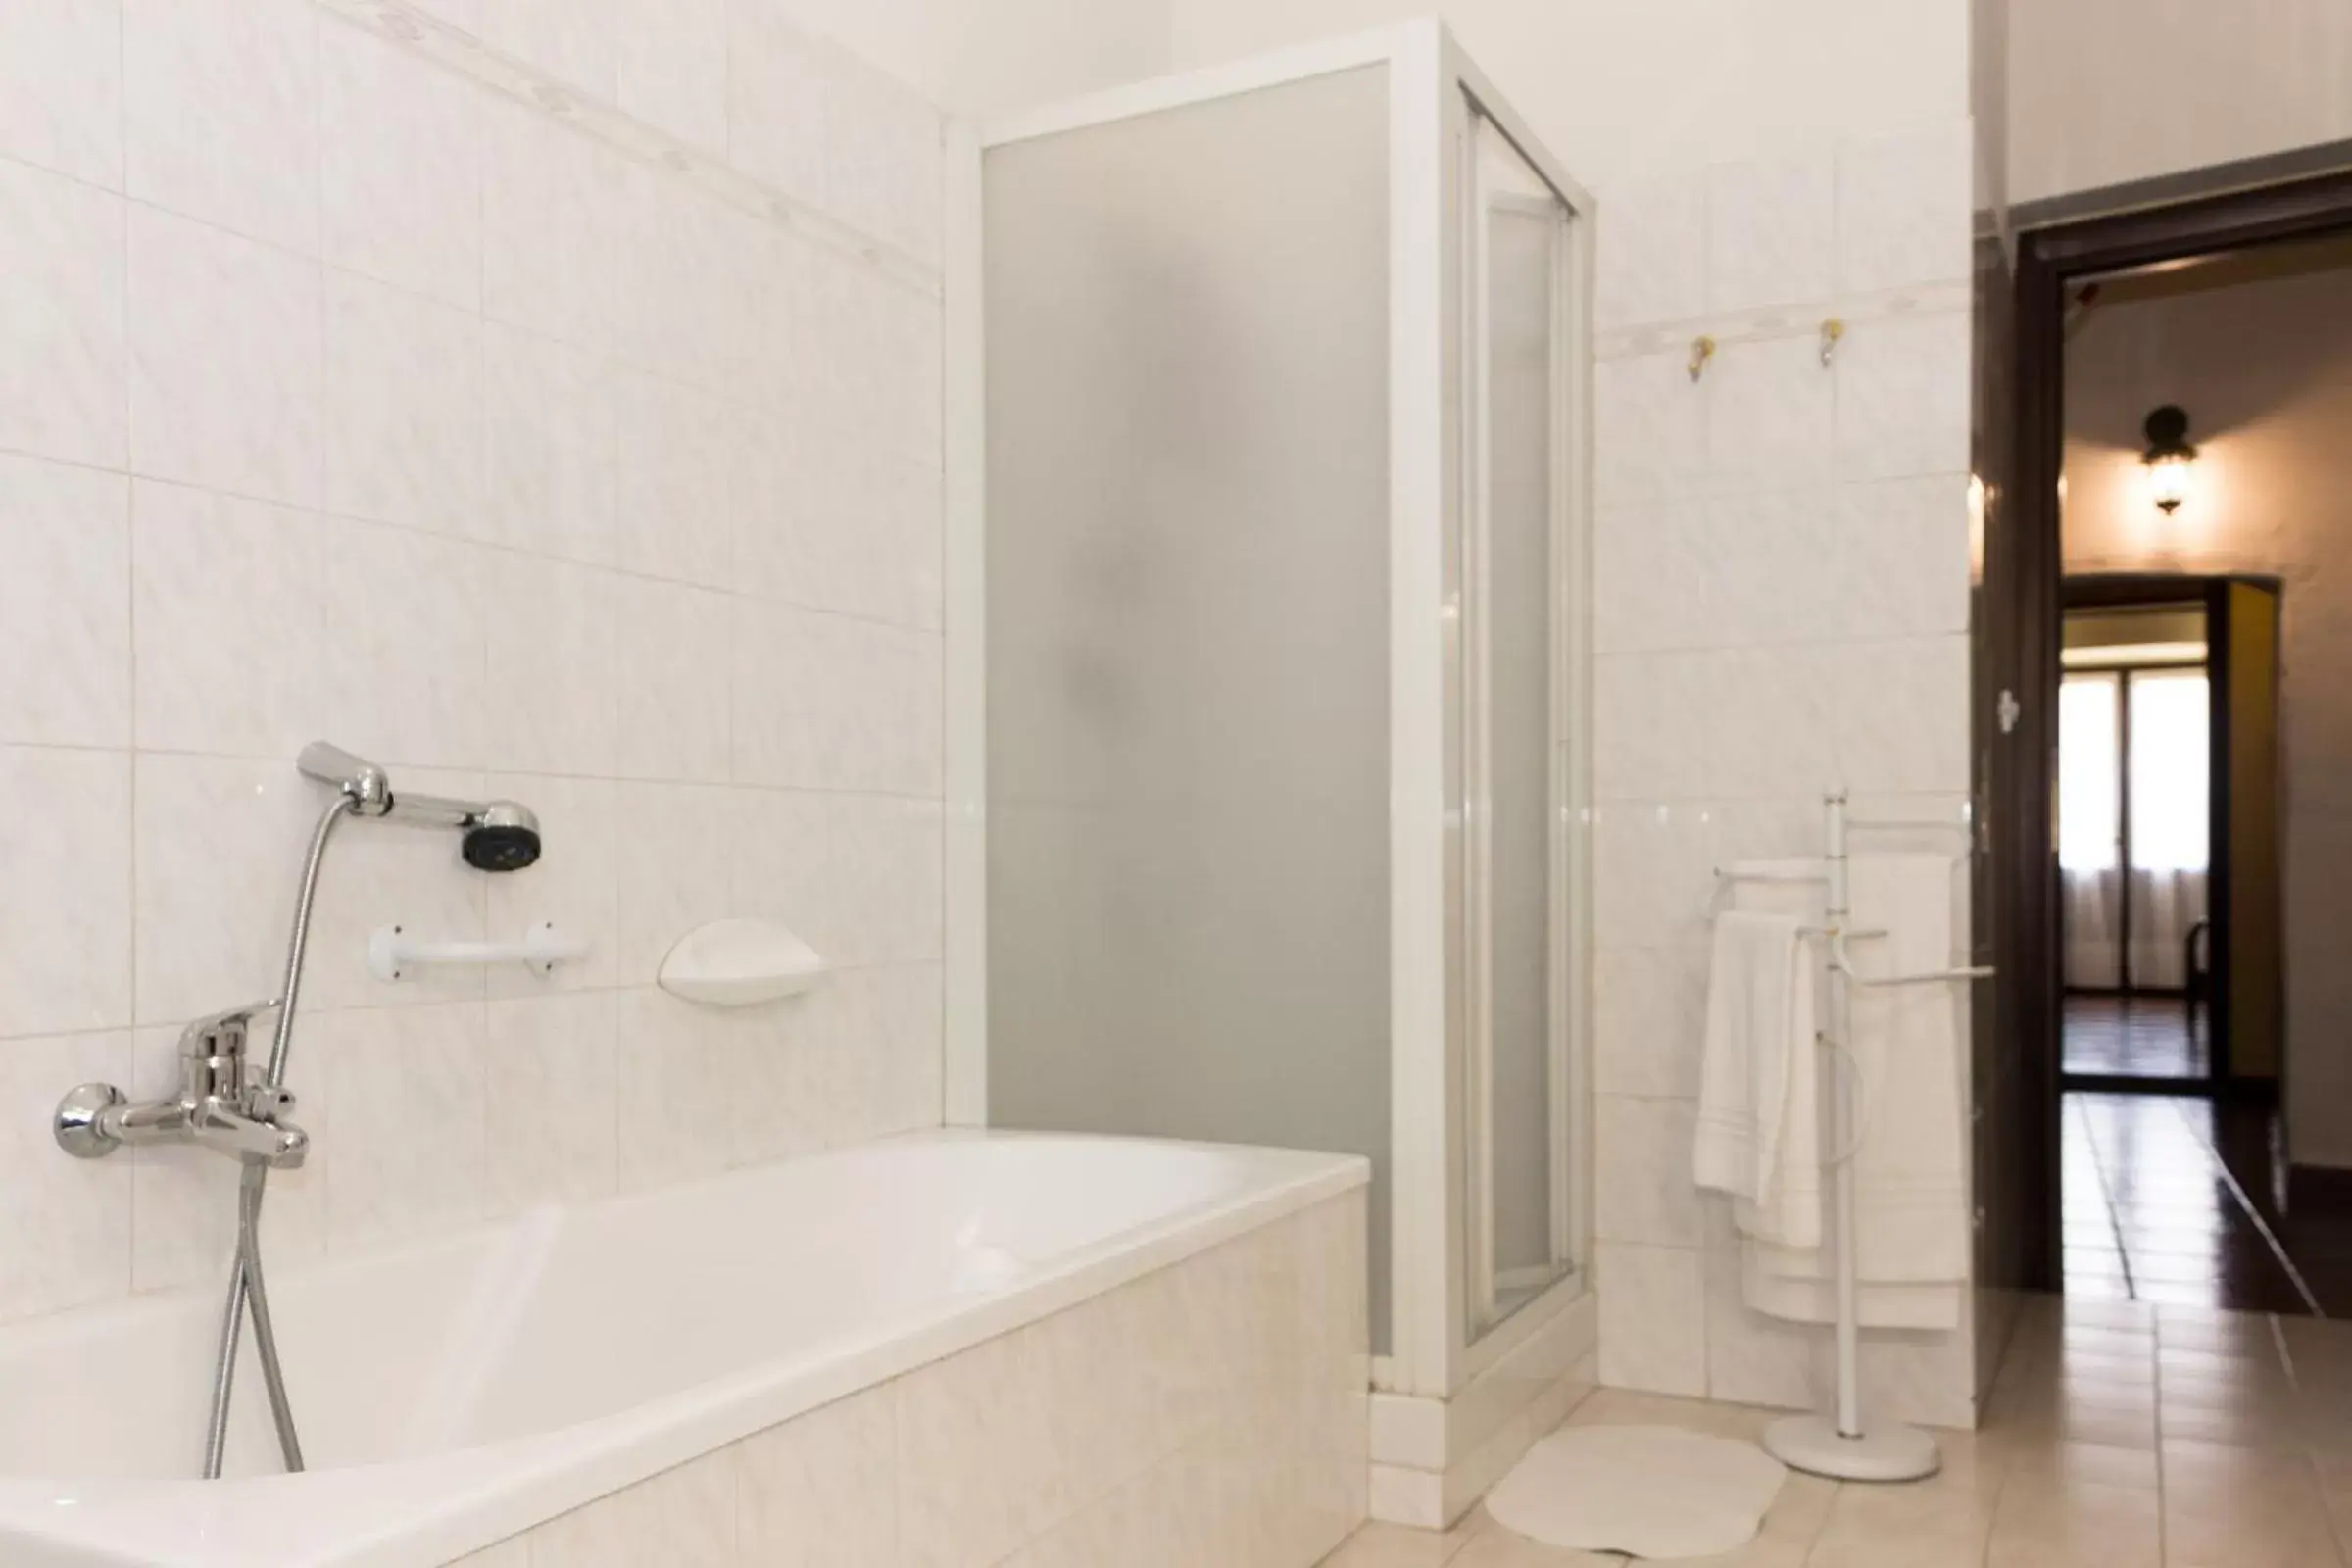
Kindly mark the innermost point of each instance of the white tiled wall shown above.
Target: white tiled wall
(1211, 1412)
(343, 396)
(1783, 607)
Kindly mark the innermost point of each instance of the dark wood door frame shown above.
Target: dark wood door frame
(2024, 576)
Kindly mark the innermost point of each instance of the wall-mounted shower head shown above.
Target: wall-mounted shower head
(498, 835)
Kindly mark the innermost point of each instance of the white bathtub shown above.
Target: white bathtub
(457, 1395)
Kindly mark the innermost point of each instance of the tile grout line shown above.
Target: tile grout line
(2254, 1216)
(2114, 1226)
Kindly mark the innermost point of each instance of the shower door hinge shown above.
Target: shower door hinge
(2009, 710)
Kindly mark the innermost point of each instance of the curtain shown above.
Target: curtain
(2172, 773)
(2090, 826)
(2171, 776)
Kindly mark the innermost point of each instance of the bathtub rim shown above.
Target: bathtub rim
(445, 1506)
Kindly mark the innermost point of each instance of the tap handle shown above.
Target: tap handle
(221, 1034)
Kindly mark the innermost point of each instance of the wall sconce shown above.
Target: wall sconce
(2169, 457)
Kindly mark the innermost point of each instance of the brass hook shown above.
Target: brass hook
(1702, 349)
(1831, 330)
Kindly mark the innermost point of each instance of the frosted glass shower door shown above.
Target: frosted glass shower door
(1187, 907)
(1519, 266)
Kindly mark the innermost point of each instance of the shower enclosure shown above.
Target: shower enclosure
(1267, 574)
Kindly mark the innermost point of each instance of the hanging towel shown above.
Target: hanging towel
(1759, 1128)
(1910, 1172)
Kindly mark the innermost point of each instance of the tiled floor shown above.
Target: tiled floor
(2134, 1036)
(2174, 1200)
(2119, 1434)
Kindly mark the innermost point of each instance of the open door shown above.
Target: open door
(2248, 958)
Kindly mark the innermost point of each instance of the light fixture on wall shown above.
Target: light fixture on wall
(2169, 457)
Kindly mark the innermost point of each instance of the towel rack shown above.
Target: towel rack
(1839, 1447)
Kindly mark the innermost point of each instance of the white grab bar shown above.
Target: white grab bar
(392, 952)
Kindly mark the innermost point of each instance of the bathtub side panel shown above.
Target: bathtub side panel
(1212, 1411)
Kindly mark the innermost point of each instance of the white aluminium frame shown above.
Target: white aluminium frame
(1432, 88)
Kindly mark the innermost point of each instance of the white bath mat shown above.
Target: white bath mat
(1651, 1492)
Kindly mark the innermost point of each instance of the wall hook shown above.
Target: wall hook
(1702, 349)
(1831, 331)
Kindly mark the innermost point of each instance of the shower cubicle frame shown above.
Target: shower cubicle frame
(1438, 1059)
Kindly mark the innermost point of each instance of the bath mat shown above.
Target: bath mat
(1649, 1492)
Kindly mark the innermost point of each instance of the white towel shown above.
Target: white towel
(1759, 1132)
(1910, 1171)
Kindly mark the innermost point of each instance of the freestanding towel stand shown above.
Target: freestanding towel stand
(1840, 1447)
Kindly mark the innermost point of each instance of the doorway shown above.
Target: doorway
(2169, 683)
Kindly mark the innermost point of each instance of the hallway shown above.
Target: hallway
(2132, 1037)
(2177, 1202)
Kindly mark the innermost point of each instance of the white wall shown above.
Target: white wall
(977, 59)
(340, 396)
(2265, 370)
(2103, 91)
(1619, 89)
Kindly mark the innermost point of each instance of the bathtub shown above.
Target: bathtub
(931, 1352)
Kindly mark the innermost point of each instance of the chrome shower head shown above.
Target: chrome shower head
(498, 835)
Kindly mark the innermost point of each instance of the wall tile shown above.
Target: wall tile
(1771, 566)
(777, 90)
(221, 113)
(233, 639)
(1654, 558)
(575, 884)
(786, 726)
(682, 1518)
(1901, 566)
(671, 446)
(218, 845)
(1652, 1318)
(785, 865)
(1648, 1021)
(62, 364)
(1651, 877)
(677, 1069)
(547, 448)
(886, 878)
(886, 168)
(551, 204)
(1768, 416)
(400, 169)
(1903, 206)
(553, 1056)
(1773, 728)
(1650, 733)
(64, 929)
(61, 87)
(676, 867)
(407, 665)
(1648, 429)
(577, 41)
(821, 1490)
(1903, 715)
(1645, 1192)
(404, 409)
(1769, 232)
(65, 1233)
(673, 669)
(673, 67)
(225, 361)
(1653, 252)
(410, 1144)
(1903, 397)
(550, 644)
(65, 616)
